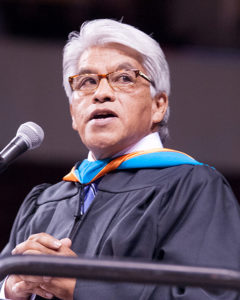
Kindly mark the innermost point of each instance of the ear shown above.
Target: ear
(74, 124)
(159, 108)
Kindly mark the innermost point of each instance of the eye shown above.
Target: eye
(84, 82)
(124, 78)
(88, 81)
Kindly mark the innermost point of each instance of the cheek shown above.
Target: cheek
(140, 109)
(77, 117)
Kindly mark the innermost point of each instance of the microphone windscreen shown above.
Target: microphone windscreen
(32, 134)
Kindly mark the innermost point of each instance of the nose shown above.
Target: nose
(104, 92)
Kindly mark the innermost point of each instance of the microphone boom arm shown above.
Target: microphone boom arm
(120, 270)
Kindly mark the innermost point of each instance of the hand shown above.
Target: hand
(20, 287)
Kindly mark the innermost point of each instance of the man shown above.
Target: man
(132, 197)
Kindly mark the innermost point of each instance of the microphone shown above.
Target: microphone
(29, 136)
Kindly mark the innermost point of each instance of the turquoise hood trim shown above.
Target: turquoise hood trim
(87, 171)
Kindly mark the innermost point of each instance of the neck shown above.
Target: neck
(150, 141)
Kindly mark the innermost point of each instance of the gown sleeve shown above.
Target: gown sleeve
(19, 231)
(203, 218)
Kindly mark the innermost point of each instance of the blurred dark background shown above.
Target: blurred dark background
(201, 40)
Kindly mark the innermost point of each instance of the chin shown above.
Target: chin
(104, 150)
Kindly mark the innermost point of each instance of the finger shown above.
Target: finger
(46, 240)
(23, 288)
(43, 293)
(62, 288)
(66, 242)
(32, 245)
(35, 279)
(65, 251)
(31, 252)
(9, 283)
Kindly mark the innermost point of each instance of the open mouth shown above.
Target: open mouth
(102, 115)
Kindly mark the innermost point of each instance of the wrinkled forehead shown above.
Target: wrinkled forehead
(109, 57)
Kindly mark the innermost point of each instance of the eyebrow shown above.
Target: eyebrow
(87, 71)
(125, 66)
(122, 66)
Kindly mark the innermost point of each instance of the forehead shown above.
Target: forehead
(109, 57)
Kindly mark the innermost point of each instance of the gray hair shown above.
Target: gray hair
(105, 31)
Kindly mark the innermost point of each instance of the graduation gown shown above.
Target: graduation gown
(184, 215)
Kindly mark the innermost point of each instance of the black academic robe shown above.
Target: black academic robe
(184, 215)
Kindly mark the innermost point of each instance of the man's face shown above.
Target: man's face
(109, 121)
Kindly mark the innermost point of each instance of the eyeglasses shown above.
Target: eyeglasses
(119, 80)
